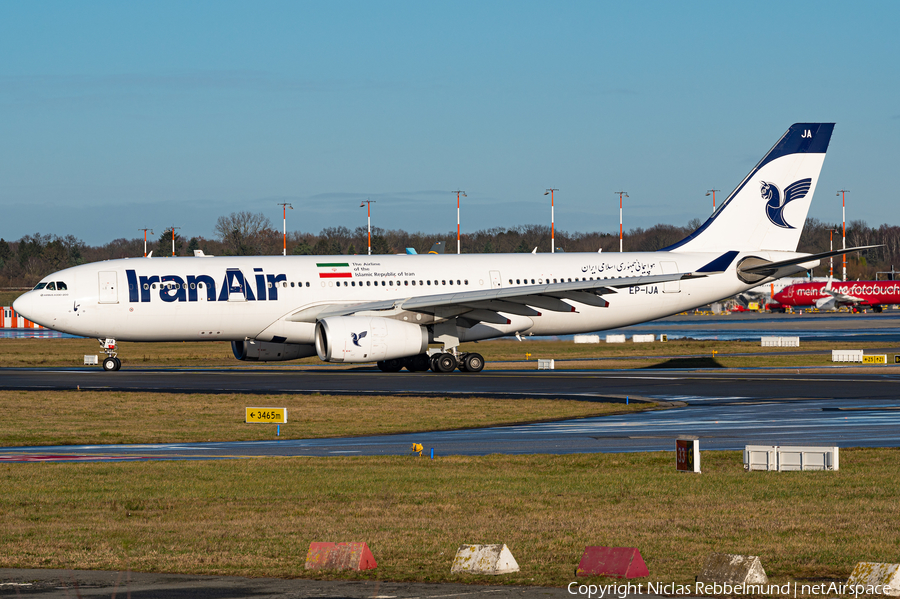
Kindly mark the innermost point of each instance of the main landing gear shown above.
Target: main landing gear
(110, 362)
(440, 362)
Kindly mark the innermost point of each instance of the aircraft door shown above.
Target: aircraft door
(669, 268)
(495, 279)
(109, 289)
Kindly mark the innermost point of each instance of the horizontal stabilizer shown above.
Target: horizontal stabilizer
(769, 269)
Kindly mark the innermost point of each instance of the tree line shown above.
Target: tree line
(24, 262)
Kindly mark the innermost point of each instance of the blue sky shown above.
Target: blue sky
(121, 115)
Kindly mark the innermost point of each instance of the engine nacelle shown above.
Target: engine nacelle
(825, 303)
(368, 339)
(263, 351)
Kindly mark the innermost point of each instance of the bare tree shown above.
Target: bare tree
(246, 233)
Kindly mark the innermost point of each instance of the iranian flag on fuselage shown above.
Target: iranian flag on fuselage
(334, 270)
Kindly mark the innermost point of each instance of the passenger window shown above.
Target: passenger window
(443, 282)
(414, 283)
(292, 283)
(428, 281)
(451, 281)
(307, 283)
(510, 281)
(406, 282)
(153, 286)
(368, 283)
(51, 286)
(61, 286)
(270, 284)
(532, 281)
(457, 281)
(466, 281)
(392, 283)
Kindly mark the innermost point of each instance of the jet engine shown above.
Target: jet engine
(263, 351)
(368, 339)
(825, 303)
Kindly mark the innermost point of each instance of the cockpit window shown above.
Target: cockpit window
(51, 286)
(40, 286)
(60, 286)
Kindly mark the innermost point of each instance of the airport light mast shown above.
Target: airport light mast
(145, 239)
(621, 193)
(831, 249)
(173, 239)
(843, 193)
(368, 203)
(458, 192)
(713, 192)
(552, 226)
(284, 207)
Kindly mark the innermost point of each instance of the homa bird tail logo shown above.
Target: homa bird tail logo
(775, 204)
(356, 338)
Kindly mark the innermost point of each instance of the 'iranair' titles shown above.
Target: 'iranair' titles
(233, 286)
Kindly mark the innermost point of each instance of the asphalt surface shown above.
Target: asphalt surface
(68, 584)
(501, 383)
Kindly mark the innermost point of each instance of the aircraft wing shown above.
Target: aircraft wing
(485, 303)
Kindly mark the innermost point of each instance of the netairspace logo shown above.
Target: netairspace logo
(621, 591)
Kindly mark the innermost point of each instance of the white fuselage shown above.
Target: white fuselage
(240, 298)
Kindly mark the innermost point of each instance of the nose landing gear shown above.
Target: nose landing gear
(111, 362)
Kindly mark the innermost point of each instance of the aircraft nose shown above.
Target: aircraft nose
(26, 305)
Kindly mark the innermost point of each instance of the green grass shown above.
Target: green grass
(105, 417)
(256, 517)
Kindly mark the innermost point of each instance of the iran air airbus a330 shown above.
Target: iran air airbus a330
(388, 309)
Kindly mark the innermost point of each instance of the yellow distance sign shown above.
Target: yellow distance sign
(875, 359)
(267, 415)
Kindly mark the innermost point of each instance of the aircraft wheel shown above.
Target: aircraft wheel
(393, 365)
(110, 364)
(446, 363)
(419, 363)
(877, 309)
(433, 362)
(473, 362)
(118, 363)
